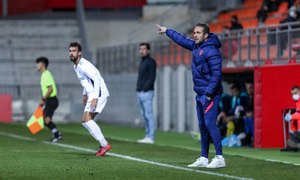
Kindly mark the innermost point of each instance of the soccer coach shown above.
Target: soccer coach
(207, 75)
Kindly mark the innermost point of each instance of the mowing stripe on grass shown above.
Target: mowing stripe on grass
(123, 156)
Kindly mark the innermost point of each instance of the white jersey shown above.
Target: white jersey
(88, 75)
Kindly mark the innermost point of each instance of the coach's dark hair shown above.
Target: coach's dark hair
(76, 44)
(205, 27)
(295, 87)
(43, 60)
(145, 44)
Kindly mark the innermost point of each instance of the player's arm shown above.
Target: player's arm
(95, 94)
(94, 75)
(296, 116)
(84, 93)
(50, 90)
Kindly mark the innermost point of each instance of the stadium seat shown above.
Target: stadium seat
(249, 3)
(285, 56)
(273, 21)
(262, 54)
(245, 13)
(225, 16)
(249, 23)
(253, 40)
(281, 11)
(218, 27)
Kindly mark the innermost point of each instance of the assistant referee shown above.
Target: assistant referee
(49, 98)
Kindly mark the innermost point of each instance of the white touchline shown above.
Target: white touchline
(123, 156)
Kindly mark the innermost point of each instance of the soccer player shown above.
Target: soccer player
(207, 75)
(95, 94)
(49, 98)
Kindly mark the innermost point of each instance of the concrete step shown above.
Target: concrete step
(39, 28)
(30, 54)
(24, 42)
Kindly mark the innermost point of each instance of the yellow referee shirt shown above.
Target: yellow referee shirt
(46, 81)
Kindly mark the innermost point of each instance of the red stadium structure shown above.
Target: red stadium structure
(31, 6)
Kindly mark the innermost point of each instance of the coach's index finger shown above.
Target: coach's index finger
(161, 29)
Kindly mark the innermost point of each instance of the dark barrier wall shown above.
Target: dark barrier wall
(30, 6)
(25, 6)
(273, 85)
(114, 4)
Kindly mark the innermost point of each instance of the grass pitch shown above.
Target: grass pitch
(26, 156)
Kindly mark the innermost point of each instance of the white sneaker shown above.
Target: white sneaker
(200, 162)
(146, 140)
(217, 162)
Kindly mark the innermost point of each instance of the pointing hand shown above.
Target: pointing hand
(161, 29)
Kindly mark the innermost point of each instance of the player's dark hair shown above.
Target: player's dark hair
(204, 26)
(295, 87)
(43, 60)
(145, 44)
(76, 44)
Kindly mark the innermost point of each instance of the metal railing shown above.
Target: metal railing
(254, 46)
(249, 47)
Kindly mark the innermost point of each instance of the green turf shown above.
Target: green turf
(22, 159)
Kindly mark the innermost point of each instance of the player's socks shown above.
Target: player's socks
(53, 129)
(95, 131)
(50, 125)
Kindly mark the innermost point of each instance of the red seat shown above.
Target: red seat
(249, 3)
(262, 54)
(226, 16)
(281, 11)
(218, 27)
(273, 21)
(245, 13)
(253, 40)
(249, 23)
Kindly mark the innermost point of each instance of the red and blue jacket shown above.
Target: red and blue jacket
(206, 64)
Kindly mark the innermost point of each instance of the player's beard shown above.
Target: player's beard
(75, 58)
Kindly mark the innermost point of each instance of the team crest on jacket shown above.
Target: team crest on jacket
(201, 51)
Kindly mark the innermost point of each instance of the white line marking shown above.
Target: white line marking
(123, 156)
(284, 162)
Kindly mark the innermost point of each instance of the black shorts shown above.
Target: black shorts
(50, 105)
